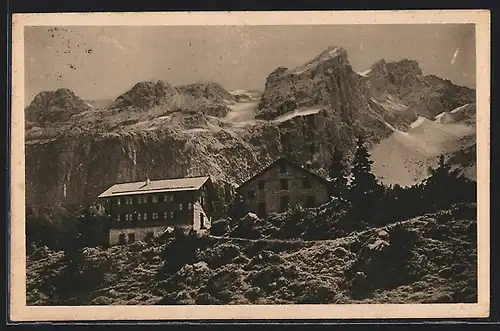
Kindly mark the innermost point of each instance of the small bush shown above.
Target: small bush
(220, 227)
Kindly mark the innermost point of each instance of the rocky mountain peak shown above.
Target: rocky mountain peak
(333, 56)
(211, 91)
(55, 106)
(145, 94)
(404, 72)
(405, 66)
(60, 99)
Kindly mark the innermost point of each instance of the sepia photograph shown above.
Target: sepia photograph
(238, 164)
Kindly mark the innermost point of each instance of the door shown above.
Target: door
(121, 239)
(262, 209)
(131, 238)
(284, 202)
(310, 202)
(202, 221)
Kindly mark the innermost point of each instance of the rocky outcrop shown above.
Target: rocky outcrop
(389, 93)
(210, 91)
(145, 95)
(428, 259)
(326, 80)
(206, 98)
(55, 106)
(404, 81)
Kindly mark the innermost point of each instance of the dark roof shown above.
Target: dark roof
(156, 186)
(287, 161)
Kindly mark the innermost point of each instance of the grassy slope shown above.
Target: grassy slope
(442, 268)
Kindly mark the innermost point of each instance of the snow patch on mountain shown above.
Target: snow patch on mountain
(461, 108)
(295, 113)
(365, 73)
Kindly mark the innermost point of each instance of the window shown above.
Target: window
(190, 206)
(251, 195)
(262, 209)
(165, 215)
(139, 216)
(139, 200)
(284, 201)
(155, 198)
(282, 167)
(129, 201)
(131, 237)
(310, 202)
(172, 215)
(155, 216)
(165, 198)
(144, 199)
(306, 183)
(118, 218)
(262, 184)
(121, 238)
(284, 184)
(145, 216)
(118, 201)
(180, 206)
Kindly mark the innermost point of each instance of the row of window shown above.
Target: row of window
(306, 184)
(129, 217)
(144, 199)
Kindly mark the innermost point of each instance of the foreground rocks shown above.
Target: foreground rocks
(428, 259)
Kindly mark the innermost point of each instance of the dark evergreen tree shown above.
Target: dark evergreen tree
(338, 174)
(364, 183)
(446, 186)
(365, 192)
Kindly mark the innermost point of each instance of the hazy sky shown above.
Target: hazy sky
(104, 61)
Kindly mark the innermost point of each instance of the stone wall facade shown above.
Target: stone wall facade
(282, 186)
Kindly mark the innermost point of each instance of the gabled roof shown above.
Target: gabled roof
(156, 186)
(287, 161)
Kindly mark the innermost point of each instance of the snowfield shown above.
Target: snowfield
(417, 149)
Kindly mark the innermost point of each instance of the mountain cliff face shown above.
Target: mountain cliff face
(75, 168)
(157, 130)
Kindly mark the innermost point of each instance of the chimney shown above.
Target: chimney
(147, 182)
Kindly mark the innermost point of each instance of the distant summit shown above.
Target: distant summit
(59, 105)
(333, 56)
(210, 91)
(329, 81)
(207, 98)
(144, 95)
(62, 98)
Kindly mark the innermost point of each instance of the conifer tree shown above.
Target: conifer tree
(337, 174)
(364, 182)
(445, 186)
